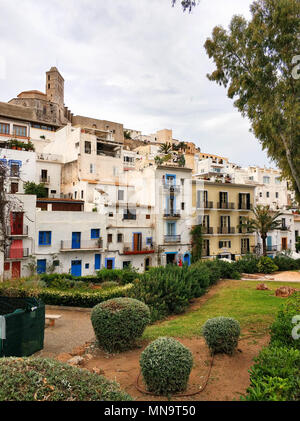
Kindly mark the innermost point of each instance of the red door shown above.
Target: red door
(16, 270)
(16, 223)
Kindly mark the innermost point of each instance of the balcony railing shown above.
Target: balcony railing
(129, 249)
(273, 248)
(226, 205)
(245, 250)
(245, 206)
(12, 232)
(45, 180)
(16, 253)
(172, 238)
(205, 205)
(172, 188)
(83, 245)
(284, 228)
(207, 230)
(226, 230)
(172, 213)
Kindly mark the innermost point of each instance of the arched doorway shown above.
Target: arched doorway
(147, 263)
(187, 259)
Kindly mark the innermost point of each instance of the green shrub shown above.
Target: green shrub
(228, 270)
(281, 329)
(37, 379)
(247, 264)
(214, 270)
(119, 322)
(275, 376)
(266, 265)
(222, 334)
(71, 297)
(286, 263)
(109, 284)
(166, 366)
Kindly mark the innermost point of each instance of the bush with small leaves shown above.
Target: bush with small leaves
(266, 265)
(119, 322)
(109, 284)
(222, 334)
(166, 365)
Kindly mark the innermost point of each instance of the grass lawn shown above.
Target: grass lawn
(254, 309)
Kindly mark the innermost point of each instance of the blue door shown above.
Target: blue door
(97, 261)
(76, 268)
(186, 259)
(269, 243)
(76, 240)
(41, 266)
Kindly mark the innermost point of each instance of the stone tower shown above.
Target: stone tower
(55, 86)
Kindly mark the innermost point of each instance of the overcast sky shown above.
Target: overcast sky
(137, 62)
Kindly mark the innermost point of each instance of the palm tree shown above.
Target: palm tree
(165, 148)
(264, 221)
(182, 146)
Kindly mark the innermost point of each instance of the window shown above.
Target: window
(14, 170)
(110, 214)
(45, 238)
(95, 233)
(87, 147)
(120, 194)
(120, 238)
(149, 241)
(224, 244)
(87, 265)
(277, 180)
(277, 195)
(82, 194)
(260, 194)
(148, 216)
(268, 194)
(41, 266)
(109, 238)
(20, 131)
(14, 187)
(4, 128)
(44, 176)
(130, 214)
(126, 264)
(53, 192)
(91, 168)
(182, 205)
(266, 180)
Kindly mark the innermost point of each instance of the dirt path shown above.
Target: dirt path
(72, 330)
(229, 376)
(288, 276)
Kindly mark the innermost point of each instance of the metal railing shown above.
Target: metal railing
(129, 248)
(16, 253)
(172, 213)
(82, 245)
(245, 206)
(12, 232)
(226, 205)
(226, 230)
(205, 205)
(207, 230)
(172, 188)
(172, 238)
(44, 180)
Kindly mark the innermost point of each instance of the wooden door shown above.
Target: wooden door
(16, 270)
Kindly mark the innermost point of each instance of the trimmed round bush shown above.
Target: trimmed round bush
(222, 334)
(166, 365)
(42, 379)
(119, 322)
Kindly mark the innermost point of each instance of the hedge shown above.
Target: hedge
(71, 298)
(39, 379)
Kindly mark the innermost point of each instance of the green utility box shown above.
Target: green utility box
(22, 326)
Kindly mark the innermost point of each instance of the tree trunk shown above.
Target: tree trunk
(294, 172)
(264, 245)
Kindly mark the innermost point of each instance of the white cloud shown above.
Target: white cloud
(138, 62)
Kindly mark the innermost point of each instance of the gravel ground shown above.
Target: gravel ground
(73, 329)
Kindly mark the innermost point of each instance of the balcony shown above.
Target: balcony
(13, 232)
(245, 206)
(245, 250)
(44, 180)
(225, 205)
(207, 230)
(205, 205)
(172, 238)
(171, 188)
(87, 245)
(142, 249)
(284, 228)
(172, 213)
(226, 230)
(273, 248)
(16, 253)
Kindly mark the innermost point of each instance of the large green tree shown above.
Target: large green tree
(256, 61)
